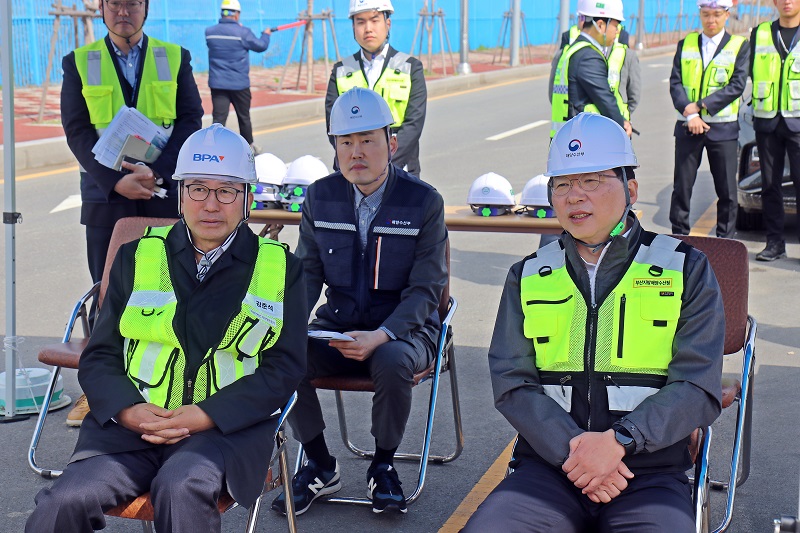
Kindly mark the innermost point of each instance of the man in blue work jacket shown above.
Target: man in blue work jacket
(229, 44)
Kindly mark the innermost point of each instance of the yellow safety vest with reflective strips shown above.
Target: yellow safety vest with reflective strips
(394, 85)
(154, 358)
(615, 61)
(632, 331)
(158, 84)
(574, 31)
(776, 82)
(699, 82)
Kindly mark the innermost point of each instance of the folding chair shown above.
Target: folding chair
(67, 353)
(444, 360)
(141, 508)
(729, 260)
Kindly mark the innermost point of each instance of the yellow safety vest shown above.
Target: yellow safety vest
(776, 82)
(158, 86)
(560, 106)
(615, 61)
(156, 362)
(574, 32)
(394, 85)
(699, 82)
(632, 331)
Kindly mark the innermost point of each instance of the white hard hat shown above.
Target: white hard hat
(601, 9)
(270, 169)
(534, 198)
(359, 6)
(359, 110)
(216, 153)
(491, 194)
(713, 4)
(301, 173)
(231, 5)
(589, 143)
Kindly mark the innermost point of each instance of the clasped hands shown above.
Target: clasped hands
(696, 125)
(595, 465)
(164, 426)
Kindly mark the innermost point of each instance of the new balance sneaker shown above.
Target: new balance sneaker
(308, 484)
(383, 488)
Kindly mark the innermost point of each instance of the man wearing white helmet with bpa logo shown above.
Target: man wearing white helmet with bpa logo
(396, 76)
(375, 235)
(606, 356)
(200, 341)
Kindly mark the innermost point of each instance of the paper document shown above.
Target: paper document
(129, 123)
(136, 150)
(330, 336)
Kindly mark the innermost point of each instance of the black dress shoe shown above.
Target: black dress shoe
(774, 250)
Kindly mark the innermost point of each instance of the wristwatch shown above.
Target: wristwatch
(625, 439)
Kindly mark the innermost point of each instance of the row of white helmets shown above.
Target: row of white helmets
(284, 186)
(492, 194)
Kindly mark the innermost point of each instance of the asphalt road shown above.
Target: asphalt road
(51, 275)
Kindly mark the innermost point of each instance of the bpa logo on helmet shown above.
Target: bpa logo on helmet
(208, 157)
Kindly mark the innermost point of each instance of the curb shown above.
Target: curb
(54, 151)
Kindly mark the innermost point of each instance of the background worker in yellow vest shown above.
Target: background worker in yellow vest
(775, 71)
(624, 71)
(709, 74)
(396, 76)
(126, 68)
(581, 77)
(200, 342)
(603, 385)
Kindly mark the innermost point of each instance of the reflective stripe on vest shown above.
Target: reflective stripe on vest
(616, 59)
(154, 358)
(560, 107)
(699, 82)
(635, 327)
(776, 83)
(158, 85)
(394, 85)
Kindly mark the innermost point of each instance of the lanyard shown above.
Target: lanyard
(783, 44)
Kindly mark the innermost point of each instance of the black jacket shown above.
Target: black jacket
(409, 133)
(398, 280)
(101, 205)
(241, 411)
(768, 125)
(714, 102)
(588, 84)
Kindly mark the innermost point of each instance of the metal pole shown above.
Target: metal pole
(10, 216)
(310, 49)
(514, 47)
(463, 53)
(640, 27)
(563, 17)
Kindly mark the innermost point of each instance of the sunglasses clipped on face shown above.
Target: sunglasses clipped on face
(225, 195)
(131, 7)
(561, 185)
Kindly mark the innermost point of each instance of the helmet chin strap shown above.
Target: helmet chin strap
(620, 227)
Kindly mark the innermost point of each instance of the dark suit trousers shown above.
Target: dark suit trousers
(221, 100)
(773, 147)
(723, 163)
(184, 479)
(538, 498)
(392, 367)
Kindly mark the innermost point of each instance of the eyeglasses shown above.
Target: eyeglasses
(712, 14)
(225, 195)
(561, 185)
(116, 6)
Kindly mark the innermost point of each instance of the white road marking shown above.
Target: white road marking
(72, 201)
(665, 80)
(657, 65)
(509, 133)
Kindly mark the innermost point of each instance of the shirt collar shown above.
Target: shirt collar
(374, 199)
(137, 47)
(595, 43)
(715, 39)
(381, 54)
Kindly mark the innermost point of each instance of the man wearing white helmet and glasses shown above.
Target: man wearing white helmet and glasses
(200, 341)
(709, 74)
(581, 78)
(606, 356)
(396, 76)
(375, 235)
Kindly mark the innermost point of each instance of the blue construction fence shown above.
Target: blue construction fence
(184, 23)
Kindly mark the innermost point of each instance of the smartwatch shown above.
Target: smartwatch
(625, 439)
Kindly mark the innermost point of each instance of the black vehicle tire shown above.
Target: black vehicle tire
(748, 220)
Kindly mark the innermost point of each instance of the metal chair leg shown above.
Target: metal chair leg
(37, 431)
